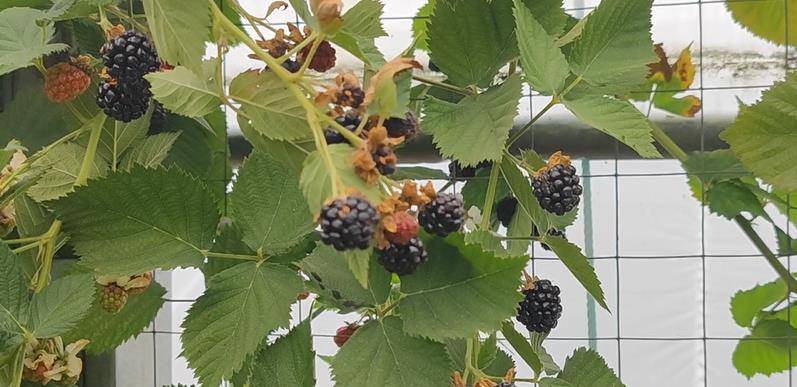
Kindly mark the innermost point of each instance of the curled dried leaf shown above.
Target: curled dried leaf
(326, 11)
(365, 166)
(660, 71)
(114, 31)
(387, 73)
(276, 5)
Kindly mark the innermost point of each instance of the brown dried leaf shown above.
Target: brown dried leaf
(275, 6)
(326, 11)
(387, 72)
(684, 69)
(660, 71)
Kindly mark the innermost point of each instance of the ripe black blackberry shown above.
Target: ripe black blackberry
(541, 307)
(351, 96)
(348, 224)
(457, 171)
(291, 65)
(403, 259)
(406, 127)
(557, 186)
(443, 215)
(124, 101)
(553, 232)
(505, 210)
(347, 121)
(130, 55)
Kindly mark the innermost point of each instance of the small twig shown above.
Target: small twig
(443, 85)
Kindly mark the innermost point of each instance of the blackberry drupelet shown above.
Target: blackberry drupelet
(505, 210)
(557, 188)
(541, 307)
(403, 259)
(124, 101)
(348, 224)
(443, 215)
(406, 127)
(347, 121)
(129, 56)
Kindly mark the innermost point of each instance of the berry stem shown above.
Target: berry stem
(525, 128)
(309, 58)
(347, 134)
(42, 275)
(299, 46)
(443, 85)
(23, 240)
(489, 199)
(27, 247)
(91, 151)
(244, 257)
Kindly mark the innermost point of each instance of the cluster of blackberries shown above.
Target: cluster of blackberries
(127, 58)
(541, 307)
(557, 188)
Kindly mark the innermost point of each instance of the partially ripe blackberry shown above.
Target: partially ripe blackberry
(552, 232)
(557, 188)
(348, 224)
(541, 307)
(344, 333)
(505, 210)
(443, 215)
(455, 170)
(403, 259)
(406, 127)
(129, 56)
(347, 121)
(324, 58)
(351, 96)
(124, 101)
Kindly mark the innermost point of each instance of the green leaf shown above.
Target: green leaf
(268, 206)
(151, 152)
(764, 139)
(182, 92)
(767, 350)
(715, 166)
(549, 14)
(149, 218)
(61, 305)
(117, 137)
(31, 118)
(615, 47)
(179, 31)
(359, 262)
(316, 183)
(548, 363)
(300, 6)
(544, 65)
(786, 244)
(418, 173)
(521, 346)
(361, 25)
(483, 119)
(14, 297)
(331, 277)
(521, 188)
(471, 41)
(229, 240)
(586, 368)
(520, 226)
(241, 305)
(554, 382)
(729, 199)
(460, 280)
(746, 304)
(286, 152)
(270, 106)
(33, 219)
(766, 19)
(619, 119)
(107, 331)
(62, 165)
(420, 25)
(577, 263)
(290, 361)
(380, 354)
(474, 192)
(22, 40)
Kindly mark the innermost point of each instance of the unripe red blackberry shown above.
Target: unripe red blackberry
(557, 186)
(64, 82)
(505, 210)
(406, 228)
(541, 307)
(112, 298)
(403, 259)
(130, 55)
(350, 122)
(324, 58)
(124, 101)
(344, 333)
(406, 127)
(348, 224)
(443, 215)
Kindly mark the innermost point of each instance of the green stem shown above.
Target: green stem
(747, 227)
(91, 151)
(23, 240)
(669, 145)
(27, 247)
(48, 242)
(349, 135)
(443, 85)
(243, 257)
(309, 58)
(468, 356)
(525, 128)
(310, 39)
(489, 199)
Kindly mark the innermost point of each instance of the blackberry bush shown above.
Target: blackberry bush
(557, 185)
(348, 224)
(443, 216)
(541, 307)
(130, 56)
(403, 259)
